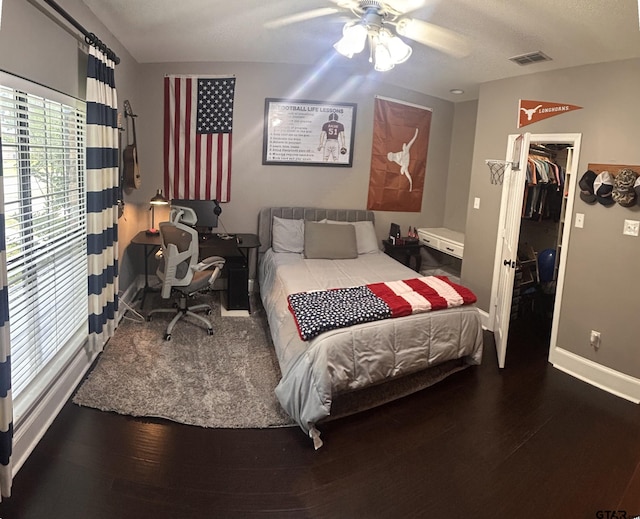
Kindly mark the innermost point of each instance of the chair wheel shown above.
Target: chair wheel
(210, 331)
(209, 312)
(149, 318)
(167, 336)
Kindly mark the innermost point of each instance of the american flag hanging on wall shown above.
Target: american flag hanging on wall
(198, 123)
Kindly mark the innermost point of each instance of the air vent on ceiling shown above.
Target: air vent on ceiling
(532, 57)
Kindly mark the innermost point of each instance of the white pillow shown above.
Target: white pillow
(366, 238)
(287, 235)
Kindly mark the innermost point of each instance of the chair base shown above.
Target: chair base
(181, 311)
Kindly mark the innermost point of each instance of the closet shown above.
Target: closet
(542, 219)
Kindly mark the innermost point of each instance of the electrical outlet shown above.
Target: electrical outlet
(595, 339)
(631, 227)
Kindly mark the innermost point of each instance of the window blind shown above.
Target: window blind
(43, 174)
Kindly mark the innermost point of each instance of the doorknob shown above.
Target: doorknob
(508, 263)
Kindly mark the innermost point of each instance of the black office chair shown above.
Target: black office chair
(180, 271)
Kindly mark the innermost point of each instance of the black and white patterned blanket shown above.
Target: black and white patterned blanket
(317, 312)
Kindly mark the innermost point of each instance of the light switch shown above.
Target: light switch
(476, 203)
(579, 220)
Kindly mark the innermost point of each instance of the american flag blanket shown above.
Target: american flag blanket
(319, 311)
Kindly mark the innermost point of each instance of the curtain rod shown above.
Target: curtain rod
(89, 37)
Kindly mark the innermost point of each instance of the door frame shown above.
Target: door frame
(574, 140)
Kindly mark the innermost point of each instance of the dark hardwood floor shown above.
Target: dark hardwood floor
(525, 442)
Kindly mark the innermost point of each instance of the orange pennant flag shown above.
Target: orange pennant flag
(530, 112)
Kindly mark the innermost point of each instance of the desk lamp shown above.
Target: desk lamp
(158, 199)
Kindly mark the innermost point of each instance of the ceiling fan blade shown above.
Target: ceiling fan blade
(434, 36)
(405, 6)
(349, 4)
(300, 17)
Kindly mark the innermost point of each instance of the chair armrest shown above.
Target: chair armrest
(211, 261)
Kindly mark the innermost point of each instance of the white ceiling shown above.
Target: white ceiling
(571, 32)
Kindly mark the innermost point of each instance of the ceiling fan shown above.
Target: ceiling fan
(372, 23)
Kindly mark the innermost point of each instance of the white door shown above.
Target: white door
(507, 242)
(509, 233)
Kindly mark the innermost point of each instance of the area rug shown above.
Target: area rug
(224, 380)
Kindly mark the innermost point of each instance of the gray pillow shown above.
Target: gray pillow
(287, 235)
(328, 241)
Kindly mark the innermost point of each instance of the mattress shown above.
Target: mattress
(348, 359)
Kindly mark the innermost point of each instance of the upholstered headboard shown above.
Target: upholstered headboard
(313, 214)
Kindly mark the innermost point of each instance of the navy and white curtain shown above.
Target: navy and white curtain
(102, 197)
(6, 405)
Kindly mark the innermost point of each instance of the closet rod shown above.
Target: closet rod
(89, 37)
(536, 150)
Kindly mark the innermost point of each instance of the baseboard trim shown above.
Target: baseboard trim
(607, 379)
(485, 320)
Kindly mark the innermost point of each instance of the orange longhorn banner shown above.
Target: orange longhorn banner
(530, 112)
(398, 155)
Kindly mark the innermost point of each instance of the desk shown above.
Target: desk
(151, 243)
(236, 251)
(450, 245)
(443, 239)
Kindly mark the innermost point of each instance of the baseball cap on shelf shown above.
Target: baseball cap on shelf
(623, 191)
(603, 187)
(586, 187)
(636, 187)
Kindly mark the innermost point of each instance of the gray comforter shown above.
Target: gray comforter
(347, 359)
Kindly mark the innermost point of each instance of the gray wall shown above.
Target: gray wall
(254, 185)
(601, 279)
(464, 129)
(51, 55)
(45, 52)
(601, 288)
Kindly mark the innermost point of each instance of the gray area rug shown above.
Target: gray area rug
(226, 380)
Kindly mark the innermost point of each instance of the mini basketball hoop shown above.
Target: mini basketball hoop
(496, 167)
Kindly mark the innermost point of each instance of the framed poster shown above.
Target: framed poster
(299, 132)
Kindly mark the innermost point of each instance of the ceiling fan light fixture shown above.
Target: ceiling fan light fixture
(386, 48)
(382, 59)
(354, 38)
(399, 50)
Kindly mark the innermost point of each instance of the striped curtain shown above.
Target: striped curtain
(6, 406)
(102, 198)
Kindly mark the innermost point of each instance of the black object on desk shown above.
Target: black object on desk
(404, 253)
(235, 250)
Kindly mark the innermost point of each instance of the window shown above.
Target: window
(43, 174)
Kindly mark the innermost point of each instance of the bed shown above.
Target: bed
(320, 370)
